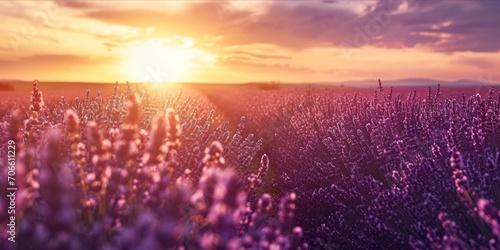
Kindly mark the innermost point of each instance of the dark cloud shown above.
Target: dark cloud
(76, 4)
(297, 27)
(470, 26)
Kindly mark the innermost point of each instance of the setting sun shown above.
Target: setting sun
(161, 60)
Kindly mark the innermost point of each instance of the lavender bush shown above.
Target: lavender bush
(102, 178)
(200, 125)
(393, 172)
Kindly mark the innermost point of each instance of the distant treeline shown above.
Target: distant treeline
(6, 87)
(270, 85)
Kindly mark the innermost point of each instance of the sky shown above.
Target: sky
(243, 40)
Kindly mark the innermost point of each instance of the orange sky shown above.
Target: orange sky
(241, 41)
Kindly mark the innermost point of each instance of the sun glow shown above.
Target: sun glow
(162, 60)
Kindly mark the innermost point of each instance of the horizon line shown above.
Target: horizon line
(375, 80)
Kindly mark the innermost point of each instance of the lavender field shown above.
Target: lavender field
(250, 124)
(310, 168)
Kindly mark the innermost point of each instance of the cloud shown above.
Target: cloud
(76, 4)
(51, 63)
(471, 26)
(298, 27)
(259, 56)
(196, 22)
(476, 62)
(446, 26)
(250, 67)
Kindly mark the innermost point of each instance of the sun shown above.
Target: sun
(159, 61)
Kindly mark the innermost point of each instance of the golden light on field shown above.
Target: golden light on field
(162, 60)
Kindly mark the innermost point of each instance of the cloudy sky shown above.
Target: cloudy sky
(241, 41)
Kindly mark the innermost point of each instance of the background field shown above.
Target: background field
(374, 167)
